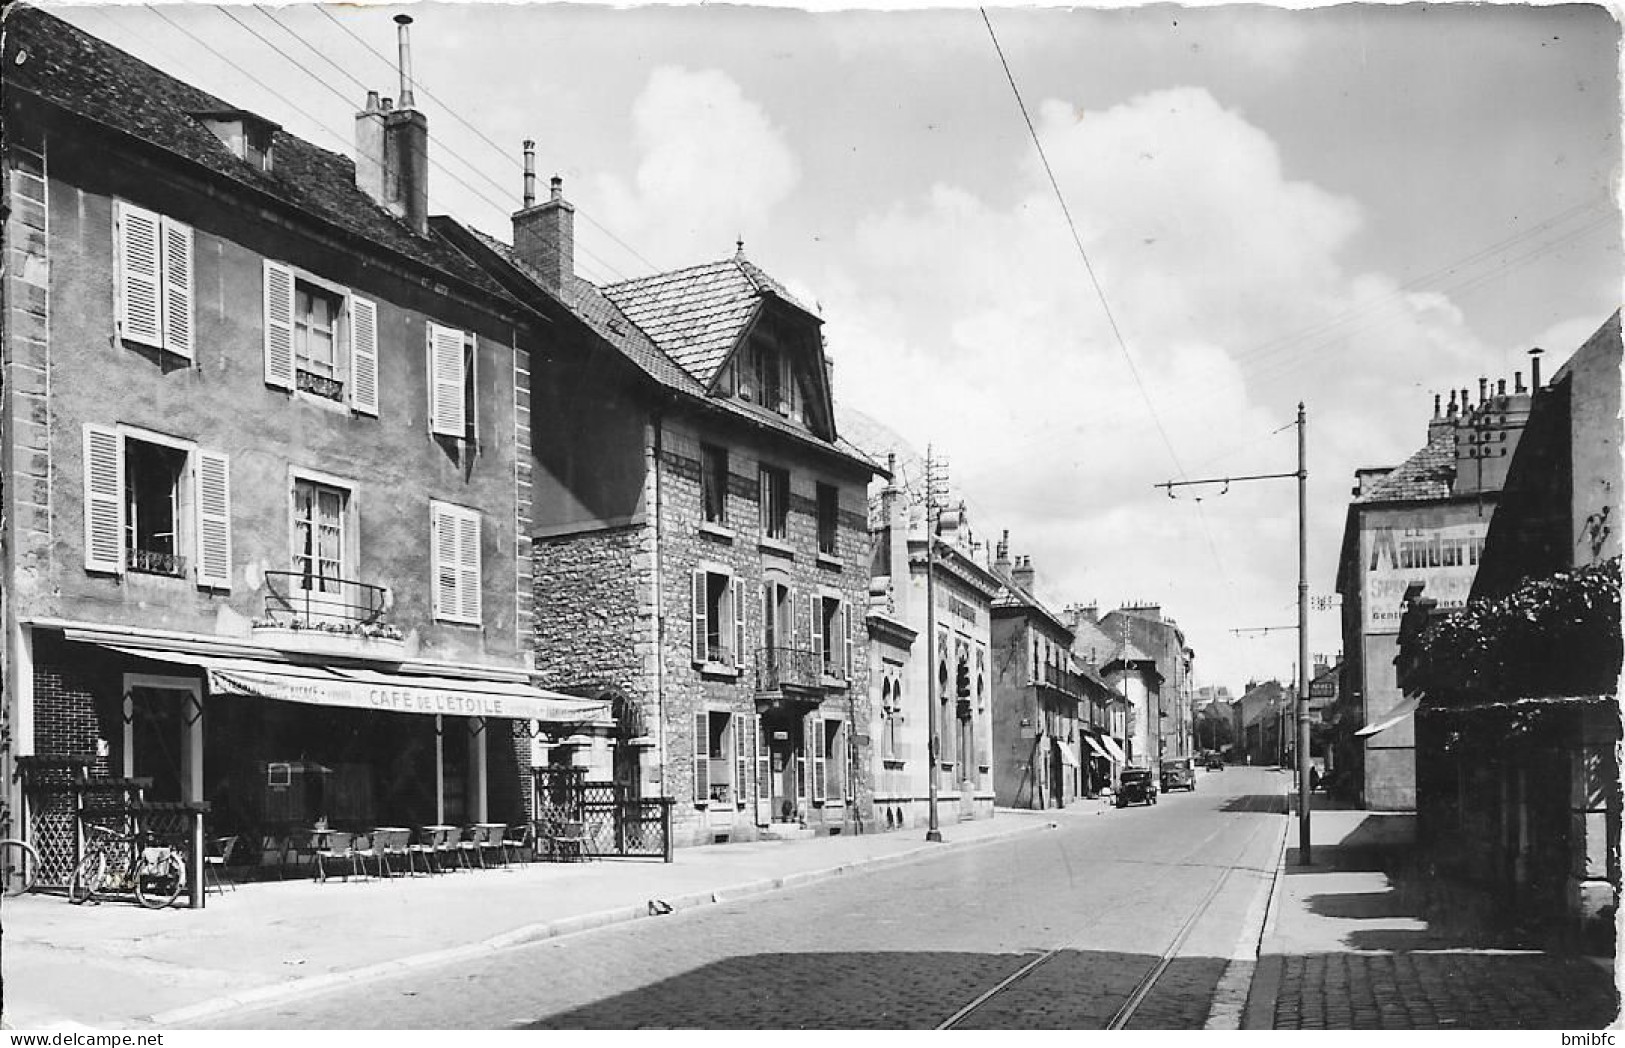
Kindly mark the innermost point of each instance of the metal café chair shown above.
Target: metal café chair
(468, 847)
(492, 838)
(331, 846)
(364, 846)
(216, 862)
(392, 842)
(422, 848)
(519, 841)
(444, 847)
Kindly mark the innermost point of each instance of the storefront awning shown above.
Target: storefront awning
(1094, 744)
(384, 692)
(1068, 758)
(1114, 751)
(1392, 717)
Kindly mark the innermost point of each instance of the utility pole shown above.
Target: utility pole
(1301, 474)
(932, 832)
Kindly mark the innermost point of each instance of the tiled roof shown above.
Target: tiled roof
(1424, 476)
(697, 315)
(610, 322)
(96, 81)
(606, 319)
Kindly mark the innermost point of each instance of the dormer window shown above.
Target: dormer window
(246, 135)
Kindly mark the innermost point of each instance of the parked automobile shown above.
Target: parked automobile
(1136, 786)
(1213, 762)
(1178, 773)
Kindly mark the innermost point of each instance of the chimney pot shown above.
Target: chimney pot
(1534, 369)
(1517, 382)
(372, 102)
(1483, 386)
(402, 21)
(530, 173)
(1500, 387)
(388, 104)
(558, 188)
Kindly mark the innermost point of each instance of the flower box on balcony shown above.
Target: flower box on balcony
(314, 640)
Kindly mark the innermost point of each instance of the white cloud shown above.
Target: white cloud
(711, 168)
(976, 327)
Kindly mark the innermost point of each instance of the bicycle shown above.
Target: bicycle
(121, 862)
(19, 865)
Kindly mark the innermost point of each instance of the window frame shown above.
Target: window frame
(728, 610)
(468, 563)
(829, 518)
(775, 512)
(714, 481)
(172, 281)
(355, 338)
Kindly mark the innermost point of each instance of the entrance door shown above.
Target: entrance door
(163, 736)
(787, 768)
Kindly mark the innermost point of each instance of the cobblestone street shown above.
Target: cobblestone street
(903, 947)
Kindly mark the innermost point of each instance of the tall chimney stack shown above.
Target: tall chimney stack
(404, 44)
(530, 173)
(392, 148)
(1022, 573)
(544, 238)
(1534, 369)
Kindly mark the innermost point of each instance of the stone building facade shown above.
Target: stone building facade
(265, 538)
(700, 534)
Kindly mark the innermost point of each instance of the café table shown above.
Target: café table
(435, 840)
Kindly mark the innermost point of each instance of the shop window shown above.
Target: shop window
(719, 619)
(828, 517)
(774, 494)
(714, 483)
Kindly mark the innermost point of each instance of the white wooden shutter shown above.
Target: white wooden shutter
(364, 356)
(278, 325)
(700, 622)
(739, 623)
(213, 487)
(744, 740)
(104, 499)
(815, 604)
(468, 565)
(138, 234)
(846, 653)
(764, 773)
(446, 416)
(838, 763)
(178, 311)
(819, 760)
(443, 553)
(702, 757)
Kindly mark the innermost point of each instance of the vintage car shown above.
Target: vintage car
(1178, 773)
(1136, 786)
(1213, 761)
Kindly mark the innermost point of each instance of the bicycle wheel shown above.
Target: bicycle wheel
(158, 881)
(87, 878)
(19, 865)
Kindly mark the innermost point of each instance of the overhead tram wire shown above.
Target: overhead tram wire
(1100, 291)
(500, 208)
(505, 154)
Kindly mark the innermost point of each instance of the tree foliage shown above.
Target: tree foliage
(1558, 635)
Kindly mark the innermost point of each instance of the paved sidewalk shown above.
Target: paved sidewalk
(116, 965)
(1361, 940)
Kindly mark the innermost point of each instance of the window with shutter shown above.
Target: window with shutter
(847, 669)
(278, 325)
(744, 743)
(178, 319)
(104, 499)
(701, 622)
(138, 236)
(816, 743)
(213, 486)
(363, 356)
(801, 758)
(702, 757)
(837, 758)
(764, 772)
(739, 623)
(455, 552)
(446, 382)
(815, 610)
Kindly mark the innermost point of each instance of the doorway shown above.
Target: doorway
(163, 736)
(787, 770)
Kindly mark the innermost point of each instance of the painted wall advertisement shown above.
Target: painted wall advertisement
(1444, 559)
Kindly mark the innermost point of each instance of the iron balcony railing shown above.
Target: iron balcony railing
(155, 562)
(797, 667)
(1063, 680)
(310, 600)
(320, 385)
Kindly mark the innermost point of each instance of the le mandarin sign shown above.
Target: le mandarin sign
(1444, 559)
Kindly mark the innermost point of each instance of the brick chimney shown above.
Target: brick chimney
(1022, 573)
(1001, 556)
(544, 238)
(392, 147)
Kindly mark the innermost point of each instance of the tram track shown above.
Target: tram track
(1148, 981)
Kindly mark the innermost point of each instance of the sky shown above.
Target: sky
(1236, 208)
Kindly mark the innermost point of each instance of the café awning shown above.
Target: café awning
(384, 692)
(1094, 744)
(1114, 751)
(1405, 708)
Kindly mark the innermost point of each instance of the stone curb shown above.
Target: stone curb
(1259, 1011)
(261, 995)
